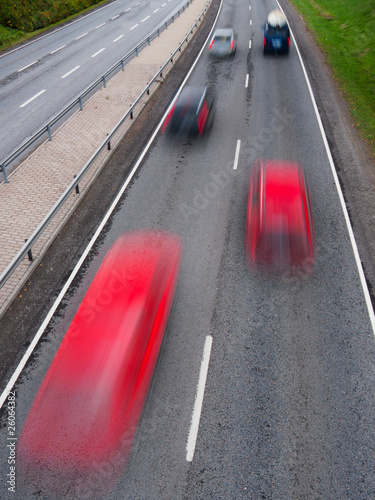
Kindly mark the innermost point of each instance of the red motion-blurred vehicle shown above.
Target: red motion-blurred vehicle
(279, 226)
(92, 396)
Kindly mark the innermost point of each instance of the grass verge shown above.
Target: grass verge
(345, 31)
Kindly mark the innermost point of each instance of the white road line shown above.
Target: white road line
(136, 5)
(96, 53)
(247, 81)
(100, 25)
(118, 38)
(82, 36)
(70, 72)
(134, 26)
(54, 51)
(127, 10)
(156, 10)
(35, 96)
(357, 258)
(145, 19)
(236, 156)
(28, 66)
(164, 4)
(249, 44)
(251, 22)
(249, 7)
(112, 18)
(194, 426)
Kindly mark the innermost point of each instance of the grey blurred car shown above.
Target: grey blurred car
(223, 43)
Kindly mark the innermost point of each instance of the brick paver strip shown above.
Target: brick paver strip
(38, 183)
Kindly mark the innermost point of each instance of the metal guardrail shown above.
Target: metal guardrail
(26, 249)
(46, 129)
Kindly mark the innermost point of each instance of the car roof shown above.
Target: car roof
(283, 192)
(191, 93)
(277, 18)
(223, 32)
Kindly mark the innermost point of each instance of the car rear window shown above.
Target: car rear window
(222, 39)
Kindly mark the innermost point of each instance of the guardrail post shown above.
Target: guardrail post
(77, 186)
(4, 174)
(109, 144)
(158, 32)
(80, 103)
(131, 114)
(148, 40)
(172, 19)
(104, 81)
(29, 253)
(136, 51)
(166, 25)
(49, 132)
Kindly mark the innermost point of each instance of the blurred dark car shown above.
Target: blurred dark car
(223, 43)
(192, 112)
(276, 33)
(279, 227)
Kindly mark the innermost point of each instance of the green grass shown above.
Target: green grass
(345, 31)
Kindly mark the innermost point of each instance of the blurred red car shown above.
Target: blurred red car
(279, 226)
(92, 396)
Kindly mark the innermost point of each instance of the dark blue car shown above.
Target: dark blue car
(276, 33)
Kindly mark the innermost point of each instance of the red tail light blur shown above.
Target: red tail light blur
(202, 117)
(232, 45)
(167, 120)
(211, 44)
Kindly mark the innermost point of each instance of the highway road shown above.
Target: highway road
(38, 78)
(288, 408)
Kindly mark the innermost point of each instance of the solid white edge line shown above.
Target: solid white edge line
(247, 81)
(56, 50)
(70, 72)
(28, 66)
(236, 156)
(118, 38)
(338, 187)
(81, 36)
(195, 419)
(96, 53)
(32, 98)
(51, 312)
